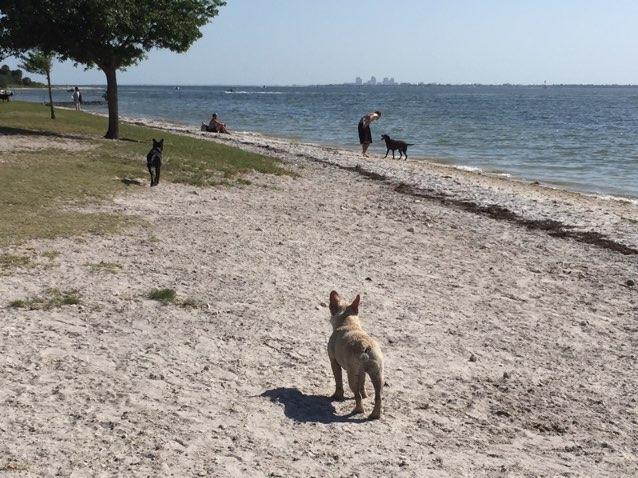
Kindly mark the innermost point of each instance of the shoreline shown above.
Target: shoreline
(430, 160)
(607, 221)
(586, 183)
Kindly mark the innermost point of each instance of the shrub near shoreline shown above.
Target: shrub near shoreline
(67, 164)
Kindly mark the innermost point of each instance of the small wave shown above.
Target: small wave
(608, 197)
(472, 169)
(242, 92)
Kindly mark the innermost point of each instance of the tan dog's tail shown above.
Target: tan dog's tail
(365, 356)
(371, 360)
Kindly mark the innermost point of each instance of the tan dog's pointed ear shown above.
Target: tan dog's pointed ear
(335, 301)
(355, 304)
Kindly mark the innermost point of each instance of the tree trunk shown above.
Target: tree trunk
(111, 99)
(50, 95)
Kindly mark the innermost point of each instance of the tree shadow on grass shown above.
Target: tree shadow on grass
(308, 408)
(31, 132)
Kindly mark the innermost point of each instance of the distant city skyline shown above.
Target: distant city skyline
(461, 42)
(373, 81)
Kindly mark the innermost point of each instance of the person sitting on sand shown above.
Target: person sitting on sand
(216, 126)
(365, 135)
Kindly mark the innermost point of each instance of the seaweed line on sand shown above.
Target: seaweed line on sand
(551, 227)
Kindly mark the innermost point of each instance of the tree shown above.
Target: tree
(39, 63)
(110, 35)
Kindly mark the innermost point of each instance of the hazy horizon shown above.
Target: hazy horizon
(585, 42)
(310, 85)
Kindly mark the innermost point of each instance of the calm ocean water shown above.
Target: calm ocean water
(584, 138)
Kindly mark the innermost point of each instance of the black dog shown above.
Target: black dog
(6, 96)
(393, 145)
(154, 161)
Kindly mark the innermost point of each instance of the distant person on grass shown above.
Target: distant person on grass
(365, 135)
(77, 99)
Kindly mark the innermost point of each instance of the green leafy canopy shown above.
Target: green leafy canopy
(109, 34)
(37, 62)
(103, 33)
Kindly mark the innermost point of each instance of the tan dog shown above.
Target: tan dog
(355, 351)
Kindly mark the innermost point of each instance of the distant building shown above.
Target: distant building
(373, 81)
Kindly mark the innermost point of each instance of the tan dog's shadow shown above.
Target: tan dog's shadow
(308, 408)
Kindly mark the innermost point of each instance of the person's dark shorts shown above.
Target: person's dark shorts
(365, 135)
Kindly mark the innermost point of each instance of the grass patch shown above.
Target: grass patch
(36, 185)
(14, 466)
(19, 304)
(38, 194)
(51, 255)
(189, 303)
(165, 296)
(98, 267)
(10, 261)
(53, 299)
(169, 296)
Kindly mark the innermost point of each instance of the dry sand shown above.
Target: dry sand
(509, 351)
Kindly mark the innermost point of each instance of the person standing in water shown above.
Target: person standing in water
(365, 135)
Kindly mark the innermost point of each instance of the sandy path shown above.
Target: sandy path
(237, 386)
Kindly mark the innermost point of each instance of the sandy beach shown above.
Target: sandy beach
(507, 312)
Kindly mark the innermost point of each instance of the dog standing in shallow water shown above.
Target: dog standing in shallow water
(355, 351)
(154, 161)
(393, 144)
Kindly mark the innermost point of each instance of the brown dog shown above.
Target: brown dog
(355, 351)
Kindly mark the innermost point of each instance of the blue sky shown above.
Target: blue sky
(255, 42)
